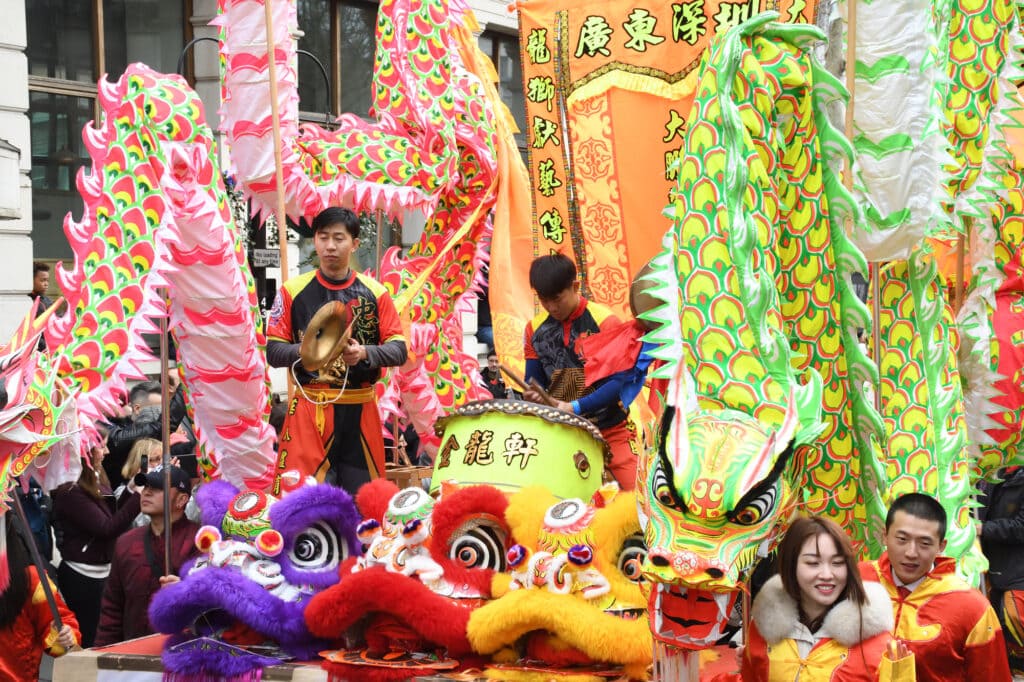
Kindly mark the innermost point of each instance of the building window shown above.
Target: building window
(341, 34)
(66, 52)
(147, 31)
(503, 49)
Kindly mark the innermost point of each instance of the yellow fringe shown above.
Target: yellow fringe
(635, 82)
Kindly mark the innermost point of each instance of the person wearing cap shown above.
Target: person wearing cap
(137, 570)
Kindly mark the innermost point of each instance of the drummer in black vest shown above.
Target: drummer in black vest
(554, 363)
(332, 427)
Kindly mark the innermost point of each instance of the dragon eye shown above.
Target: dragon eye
(631, 557)
(317, 549)
(663, 491)
(481, 546)
(757, 509)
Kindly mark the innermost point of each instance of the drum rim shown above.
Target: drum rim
(549, 414)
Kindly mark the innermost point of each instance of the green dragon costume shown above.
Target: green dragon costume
(755, 277)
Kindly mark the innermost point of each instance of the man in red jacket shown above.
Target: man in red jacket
(948, 625)
(137, 571)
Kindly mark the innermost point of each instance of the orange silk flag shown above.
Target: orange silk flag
(608, 88)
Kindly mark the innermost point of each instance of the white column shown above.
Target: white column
(15, 219)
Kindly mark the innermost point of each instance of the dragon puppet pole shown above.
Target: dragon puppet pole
(37, 558)
(851, 82)
(165, 432)
(380, 237)
(961, 260)
(874, 269)
(275, 118)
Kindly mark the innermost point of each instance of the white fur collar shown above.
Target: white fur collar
(775, 614)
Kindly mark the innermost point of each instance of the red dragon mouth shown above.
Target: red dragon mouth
(689, 618)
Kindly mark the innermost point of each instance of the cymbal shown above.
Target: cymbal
(326, 336)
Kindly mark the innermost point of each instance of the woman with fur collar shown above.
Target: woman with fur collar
(817, 621)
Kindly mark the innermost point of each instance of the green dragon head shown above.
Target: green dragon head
(718, 486)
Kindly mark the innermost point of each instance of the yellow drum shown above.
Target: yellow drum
(512, 443)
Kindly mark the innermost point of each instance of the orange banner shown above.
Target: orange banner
(608, 88)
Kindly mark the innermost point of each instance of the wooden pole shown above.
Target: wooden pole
(165, 431)
(960, 293)
(275, 117)
(851, 82)
(875, 271)
(101, 57)
(380, 240)
(37, 558)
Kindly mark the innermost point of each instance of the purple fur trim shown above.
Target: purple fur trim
(254, 676)
(213, 499)
(175, 608)
(194, 663)
(306, 506)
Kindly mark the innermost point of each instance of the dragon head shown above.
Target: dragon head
(718, 486)
(263, 558)
(571, 598)
(428, 564)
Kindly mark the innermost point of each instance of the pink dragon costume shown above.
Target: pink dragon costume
(157, 239)
(432, 148)
(156, 216)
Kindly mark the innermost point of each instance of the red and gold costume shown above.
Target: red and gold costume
(848, 647)
(948, 625)
(333, 422)
(33, 632)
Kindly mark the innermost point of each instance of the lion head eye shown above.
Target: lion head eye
(631, 557)
(317, 548)
(481, 546)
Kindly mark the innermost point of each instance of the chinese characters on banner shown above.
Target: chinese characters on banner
(608, 88)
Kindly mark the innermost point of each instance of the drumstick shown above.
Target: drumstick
(533, 385)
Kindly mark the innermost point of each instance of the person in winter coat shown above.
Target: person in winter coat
(89, 526)
(138, 568)
(945, 622)
(817, 621)
(1002, 541)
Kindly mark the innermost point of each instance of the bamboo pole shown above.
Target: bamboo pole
(875, 271)
(851, 82)
(100, 56)
(37, 559)
(165, 430)
(960, 293)
(275, 117)
(380, 240)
